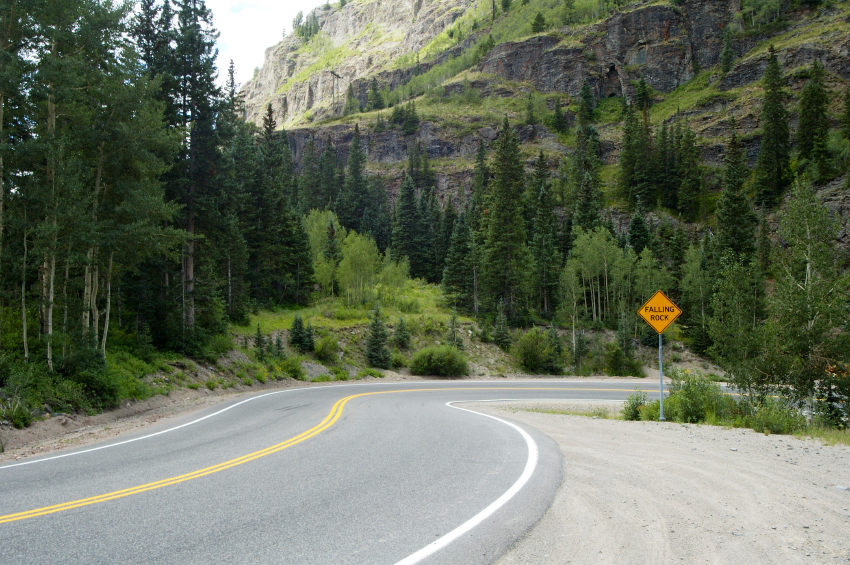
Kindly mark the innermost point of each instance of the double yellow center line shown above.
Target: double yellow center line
(329, 421)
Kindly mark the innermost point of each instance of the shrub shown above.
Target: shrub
(442, 360)
(17, 412)
(369, 373)
(694, 398)
(633, 405)
(532, 350)
(291, 367)
(87, 367)
(340, 374)
(193, 386)
(776, 418)
(398, 360)
(211, 384)
(327, 349)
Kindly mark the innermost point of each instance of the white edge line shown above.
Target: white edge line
(264, 395)
(530, 465)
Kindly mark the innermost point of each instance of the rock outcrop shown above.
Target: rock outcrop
(307, 80)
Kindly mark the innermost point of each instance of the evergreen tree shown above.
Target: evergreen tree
(689, 174)
(588, 204)
(639, 235)
(298, 338)
(585, 104)
(813, 125)
(544, 250)
(530, 118)
(444, 237)
(539, 23)
(558, 122)
(457, 281)
(665, 168)
(771, 172)
(735, 218)
(325, 191)
(506, 257)
(580, 350)
(763, 249)
(401, 335)
(628, 153)
(260, 344)
(501, 334)
(376, 98)
(352, 105)
(643, 97)
(309, 338)
(310, 180)
(352, 201)
(407, 235)
(410, 121)
(845, 115)
(377, 352)
(454, 335)
(377, 217)
(727, 56)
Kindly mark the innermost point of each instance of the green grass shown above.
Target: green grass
(829, 436)
(591, 412)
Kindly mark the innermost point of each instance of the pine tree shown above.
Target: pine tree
(580, 350)
(453, 336)
(727, 56)
(539, 23)
(690, 176)
(506, 257)
(410, 123)
(260, 344)
(401, 335)
(406, 229)
(352, 105)
(588, 204)
(309, 339)
(501, 334)
(585, 104)
(376, 99)
(444, 237)
(352, 201)
(638, 233)
(665, 168)
(763, 249)
(735, 218)
(458, 281)
(530, 118)
(813, 125)
(772, 166)
(544, 249)
(298, 339)
(310, 180)
(558, 122)
(628, 153)
(377, 352)
(643, 99)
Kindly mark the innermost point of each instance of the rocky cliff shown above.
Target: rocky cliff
(308, 80)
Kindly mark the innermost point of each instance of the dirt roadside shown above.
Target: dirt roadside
(661, 493)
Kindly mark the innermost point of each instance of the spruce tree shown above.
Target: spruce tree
(530, 118)
(727, 56)
(376, 98)
(309, 338)
(506, 257)
(638, 232)
(298, 335)
(401, 335)
(260, 344)
(501, 334)
(772, 166)
(352, 105)
(736, 221)
(689, 175)
(558, 122)
(406, 229)
(377, 352)
(588, 204)
(580, 350)
(763, 250)
(454, 335)
(444, 237)
(544, 250)
(539, 23)
(813, 125)
(457, 281)
(585, 104)
(628, 153)
(642, 95)
(352, 201)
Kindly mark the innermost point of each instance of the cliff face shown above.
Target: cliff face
(364, 37)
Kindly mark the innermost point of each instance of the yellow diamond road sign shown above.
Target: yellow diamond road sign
(659, 312)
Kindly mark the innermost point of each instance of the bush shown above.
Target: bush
(442, 360)
(633, 405)
(775, 418)
(532, 350)
(327, 349)
(17, 412)
(693, 398)
(87, 367)
(369, 373)
(398, 360)
(291, 367)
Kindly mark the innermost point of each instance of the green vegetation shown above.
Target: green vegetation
(441, 361)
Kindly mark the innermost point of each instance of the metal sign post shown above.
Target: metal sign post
(659, 312)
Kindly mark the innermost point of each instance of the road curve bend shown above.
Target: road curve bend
(391, 474)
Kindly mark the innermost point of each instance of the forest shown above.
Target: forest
(141, 218)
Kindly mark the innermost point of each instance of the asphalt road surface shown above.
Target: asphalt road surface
(349, 474)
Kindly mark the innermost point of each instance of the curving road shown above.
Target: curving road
(348, 474)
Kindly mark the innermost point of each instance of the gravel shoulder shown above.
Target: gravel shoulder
(652, 492)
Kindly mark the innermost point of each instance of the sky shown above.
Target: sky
(247, 27)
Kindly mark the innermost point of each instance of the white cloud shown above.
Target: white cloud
(247, 28)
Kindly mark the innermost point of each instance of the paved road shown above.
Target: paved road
(349, 474)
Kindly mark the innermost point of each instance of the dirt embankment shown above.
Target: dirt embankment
(661, 493)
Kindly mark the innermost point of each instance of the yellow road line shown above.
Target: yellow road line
(329, 420)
